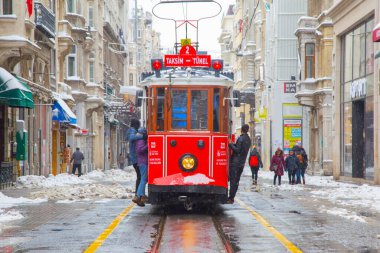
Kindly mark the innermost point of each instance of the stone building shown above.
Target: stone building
(27, 51)
(356, 90)
(314, 88)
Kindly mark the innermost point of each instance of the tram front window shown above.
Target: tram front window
(179, 109)
(199, 113)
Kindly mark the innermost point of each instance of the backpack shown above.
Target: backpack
(300, 158)
(253, 161)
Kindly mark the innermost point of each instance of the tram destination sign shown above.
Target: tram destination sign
(176, 60)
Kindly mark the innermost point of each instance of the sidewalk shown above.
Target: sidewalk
(347, 200)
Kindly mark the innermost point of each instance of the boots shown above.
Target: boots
(254, 182)
(303, 180)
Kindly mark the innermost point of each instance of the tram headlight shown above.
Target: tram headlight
(188, 162)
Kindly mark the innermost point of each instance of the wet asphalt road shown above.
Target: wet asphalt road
(52, 227)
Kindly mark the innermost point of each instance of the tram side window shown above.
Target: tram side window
(179, 109)
(160, 109)
(216, 110)
(199, 112)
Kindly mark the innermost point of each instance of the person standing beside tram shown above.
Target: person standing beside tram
(142, 162)
(237, 161)
(132, 137)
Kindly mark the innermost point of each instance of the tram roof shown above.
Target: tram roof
(189, 77)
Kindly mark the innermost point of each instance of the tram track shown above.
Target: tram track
(209, 221)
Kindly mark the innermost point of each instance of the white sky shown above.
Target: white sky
(209, 30)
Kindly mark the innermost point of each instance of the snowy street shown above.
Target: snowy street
(66, 214)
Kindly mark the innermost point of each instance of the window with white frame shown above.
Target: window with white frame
(91, 66)
(91, 16)
(71, 6)
(72, 62)
(130, 79)
(6, 7)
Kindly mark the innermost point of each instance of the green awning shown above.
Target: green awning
(14, 92)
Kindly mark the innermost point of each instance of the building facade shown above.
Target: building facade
(314, 88)
(27, 51)
(356, 90)
(284, 116)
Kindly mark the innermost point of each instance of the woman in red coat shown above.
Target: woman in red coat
(277, 165)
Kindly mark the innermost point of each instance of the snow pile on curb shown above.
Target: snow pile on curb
(51, 181)
(87, 192)
(64, 179)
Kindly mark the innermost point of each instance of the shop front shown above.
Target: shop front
(15, 98)
(63, 119)
(357, 101)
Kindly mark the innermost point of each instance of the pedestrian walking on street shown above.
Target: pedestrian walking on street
(132, 137)
(302, 158)
(142, 162)
(277, 165)
(237, 161)
(255, 163)
(121, 160)
(77, 159)
(67, 157)
(292, 166)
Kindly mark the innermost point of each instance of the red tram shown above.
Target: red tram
(187, 117)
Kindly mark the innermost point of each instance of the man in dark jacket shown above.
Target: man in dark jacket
(132, 137)
(77, 157)
(292, 165)
(237, 161)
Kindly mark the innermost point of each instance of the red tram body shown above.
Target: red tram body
(187, 113)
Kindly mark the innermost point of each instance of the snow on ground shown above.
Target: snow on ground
(7, 214)
(10, 215)
(342, 213)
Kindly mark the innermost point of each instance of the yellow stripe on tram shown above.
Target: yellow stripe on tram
(103, 236)
(288, 244)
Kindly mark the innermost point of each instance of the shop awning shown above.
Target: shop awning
(62, 112)
(14, 92)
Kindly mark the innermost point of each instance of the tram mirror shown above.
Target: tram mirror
(139, 98)
(236, 98)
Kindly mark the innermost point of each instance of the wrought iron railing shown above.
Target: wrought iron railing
(45, 20)
(6, 175)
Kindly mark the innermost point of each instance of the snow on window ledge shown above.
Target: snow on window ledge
(8, 17)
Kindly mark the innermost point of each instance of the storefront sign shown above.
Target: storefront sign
(290, 87)
(358, 88)
(376, 34)
(292, 134)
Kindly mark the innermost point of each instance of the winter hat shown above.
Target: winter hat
(135, 123)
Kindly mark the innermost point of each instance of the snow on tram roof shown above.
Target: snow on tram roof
(189, 76)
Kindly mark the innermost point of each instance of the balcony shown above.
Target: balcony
(64, 37)
(45, 20)
(78, 24)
